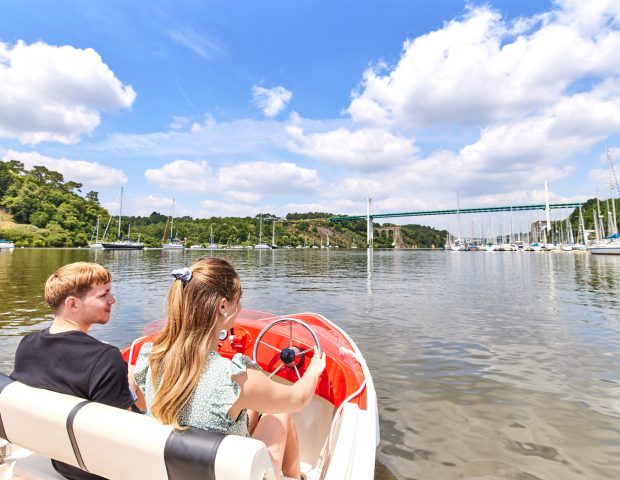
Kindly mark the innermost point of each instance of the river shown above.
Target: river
(487, 365)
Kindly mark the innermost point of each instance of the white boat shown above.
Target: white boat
(196, 247)
(610, 247)
(610, 244)
(6, 244)
(97, 243)
(260, 245)
(338, 430)
(490, 247)
(174, 243)
(212, 245)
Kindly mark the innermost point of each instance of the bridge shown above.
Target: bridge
(511, 208)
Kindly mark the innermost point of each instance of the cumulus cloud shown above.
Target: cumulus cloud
(281, 177)
(243, 181)
(481, 68)
(90, 174)
(182, 175)
(364, 149)
(55, 93)
(271, 101)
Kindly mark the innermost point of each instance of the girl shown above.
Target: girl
(187, 383)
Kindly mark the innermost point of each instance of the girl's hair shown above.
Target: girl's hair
(180, 352)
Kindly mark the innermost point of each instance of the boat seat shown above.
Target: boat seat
(119, 444)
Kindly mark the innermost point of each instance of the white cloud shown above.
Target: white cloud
(266, 177)
(364, 149)
(271, 101)
(179, 123)
(483, 69)
(201, 45)
(217, 208)
(182, 175)
(90, 174)
(243, 181)
(55, 93)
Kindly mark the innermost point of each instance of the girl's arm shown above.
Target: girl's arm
(259, 392)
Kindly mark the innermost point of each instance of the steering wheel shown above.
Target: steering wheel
(291, 356)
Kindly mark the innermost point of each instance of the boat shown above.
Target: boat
(196, 247)
(609, 244)
(260, 245)
(122, 243)
(609, 248)
(174, 243)
(212, 245)
(6, 244)
(338, 430)
(274, 245)
(97, 243)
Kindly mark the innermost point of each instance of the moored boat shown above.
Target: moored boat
(6, 244)
(605, 248)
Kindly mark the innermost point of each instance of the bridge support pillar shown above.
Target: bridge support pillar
(369, 229)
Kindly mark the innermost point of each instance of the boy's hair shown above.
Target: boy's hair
(74, 279)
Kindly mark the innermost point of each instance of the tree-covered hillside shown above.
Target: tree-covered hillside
(48, 211)
(52, 211)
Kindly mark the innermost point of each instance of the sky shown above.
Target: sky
(234, 108)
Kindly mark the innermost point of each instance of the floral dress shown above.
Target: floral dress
(215, 392)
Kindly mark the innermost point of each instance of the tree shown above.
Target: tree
(93, 197)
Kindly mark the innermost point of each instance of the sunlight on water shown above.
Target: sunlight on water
(486, 365)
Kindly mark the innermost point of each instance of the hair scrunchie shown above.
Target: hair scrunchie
(184, 274)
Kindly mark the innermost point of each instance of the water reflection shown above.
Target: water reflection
(487, 365)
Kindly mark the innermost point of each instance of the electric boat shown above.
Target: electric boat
(338, 430)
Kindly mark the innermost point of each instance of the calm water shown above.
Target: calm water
(486, 365)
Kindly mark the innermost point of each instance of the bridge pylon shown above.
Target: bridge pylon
(369, 222)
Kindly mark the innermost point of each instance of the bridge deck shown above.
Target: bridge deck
(512, 208)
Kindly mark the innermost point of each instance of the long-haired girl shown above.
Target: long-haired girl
(187, 383)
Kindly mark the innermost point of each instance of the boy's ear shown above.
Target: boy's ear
(70, 302)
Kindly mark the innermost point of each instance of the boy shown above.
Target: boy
(64, 358)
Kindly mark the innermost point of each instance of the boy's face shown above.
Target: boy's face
(96, 305)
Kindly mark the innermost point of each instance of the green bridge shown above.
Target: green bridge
(512, 208)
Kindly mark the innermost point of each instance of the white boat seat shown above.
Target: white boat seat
(119, 444)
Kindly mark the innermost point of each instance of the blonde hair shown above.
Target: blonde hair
(74, 279)
(180, 352)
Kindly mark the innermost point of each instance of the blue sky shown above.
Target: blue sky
(236, 108)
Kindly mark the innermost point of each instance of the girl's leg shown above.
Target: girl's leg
(291, 460)
(278, 433)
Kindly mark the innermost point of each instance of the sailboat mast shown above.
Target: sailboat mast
(582, 226)
(120, 213)
(458, 215)
(172, 222)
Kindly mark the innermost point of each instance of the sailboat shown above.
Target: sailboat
(260, 245)
(212, 244)
(174, 243)
(122, 243)
(5, 244)
(609, 244)
(95, 234)
(273, 234)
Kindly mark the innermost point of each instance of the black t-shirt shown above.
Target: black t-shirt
(76, 364)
